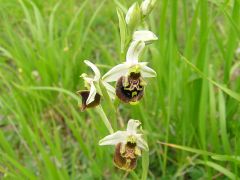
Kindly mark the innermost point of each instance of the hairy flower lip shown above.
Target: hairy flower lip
(85, 94)
(130, 91)
(125, 162)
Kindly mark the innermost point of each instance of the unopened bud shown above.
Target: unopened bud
(147, 6)
(133, 16)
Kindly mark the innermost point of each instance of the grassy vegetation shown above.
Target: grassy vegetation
(190, 112)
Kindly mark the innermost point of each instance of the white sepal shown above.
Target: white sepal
(116, 72)
(114, 139)
(94, 68)
(146, 72)
(110, 89)
(132, 126)
(141, 143)
(134, 51)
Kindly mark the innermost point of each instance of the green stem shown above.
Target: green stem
(145, 164)
(104, 118)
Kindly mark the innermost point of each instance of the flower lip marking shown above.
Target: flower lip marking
(125, 155)
(130, 88)
(126, 160)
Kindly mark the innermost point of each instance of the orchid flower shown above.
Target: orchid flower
(92, 96)
(130, 74)
(129, 145)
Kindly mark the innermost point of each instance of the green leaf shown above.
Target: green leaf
(189, 149)
(48, 88)
(222, 87)
(226, 158)
(23, 170)
(202, 152)
(51, 21)
(123, 28)
(223, 124)
(4, 52)
(219, 168)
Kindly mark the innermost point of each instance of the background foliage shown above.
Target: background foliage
(43, 134)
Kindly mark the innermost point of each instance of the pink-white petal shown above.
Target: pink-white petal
(114, 139)
(116, 72)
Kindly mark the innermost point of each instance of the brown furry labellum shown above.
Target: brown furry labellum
(125, 157)
(130, 89)
(84, 94)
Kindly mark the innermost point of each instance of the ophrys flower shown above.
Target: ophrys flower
(92, 96)
(128, 145)
(130, 75)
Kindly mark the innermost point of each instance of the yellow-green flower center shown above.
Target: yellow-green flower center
(131, 139)
(134, 69)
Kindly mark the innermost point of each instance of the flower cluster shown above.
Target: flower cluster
(130, 77)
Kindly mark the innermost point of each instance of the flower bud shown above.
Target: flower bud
(133, 16)
(147, 6)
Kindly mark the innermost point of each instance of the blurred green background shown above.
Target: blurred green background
(43, 134)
